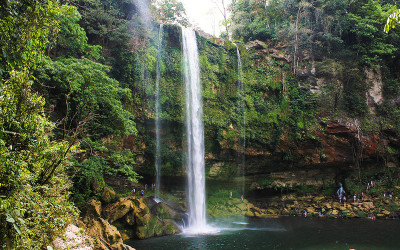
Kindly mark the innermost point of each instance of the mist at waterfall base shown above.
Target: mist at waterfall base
(287, 233)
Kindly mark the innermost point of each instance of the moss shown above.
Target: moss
(170, 228)
(141, 232)
(159, 228)
(142, 219)
(361, 214)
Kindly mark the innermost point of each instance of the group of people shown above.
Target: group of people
(358, 197)
(341, 193)
(133, 191)
(388, 194)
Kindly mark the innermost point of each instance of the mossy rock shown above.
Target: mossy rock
(164, 211)
(153, 228)
(141, 232)
(142, 219)
(249, 214)
(136, 203)
(130, 218)
(159, 228)
(170, 227)
(108, 196)
(126, 233)
(242, 206)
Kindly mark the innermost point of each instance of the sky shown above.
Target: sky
(205, 15)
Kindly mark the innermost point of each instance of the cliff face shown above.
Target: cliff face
(300, 118)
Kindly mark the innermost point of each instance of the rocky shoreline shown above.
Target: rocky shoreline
(318, 206)
(112, 221)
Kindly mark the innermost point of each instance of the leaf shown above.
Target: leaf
(17, 228)
(10, 218)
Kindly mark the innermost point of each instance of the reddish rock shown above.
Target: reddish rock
(335, 127)
(370, 144)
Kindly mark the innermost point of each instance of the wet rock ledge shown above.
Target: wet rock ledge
(112, 221)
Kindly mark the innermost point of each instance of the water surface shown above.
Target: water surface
(287, 233)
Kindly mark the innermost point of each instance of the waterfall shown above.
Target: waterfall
(158, 113)
(242, 126)
(194, 132)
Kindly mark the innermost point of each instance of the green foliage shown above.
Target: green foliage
(305, 189)
(328, 189)
(37, 213)
(31, 164)
(25, 28)
(266, 181)
(72, 39)
(353, 187)
(392, 21)
(173, 12)
(122, 164)
(82, 88)
(366, 23)
(354, 99)
(103, 159)
(88, 179)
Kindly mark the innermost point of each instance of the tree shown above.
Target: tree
(369, 42)
(392, 21)
(223, 10)
(34, 202)
(172, 11)
(25, 29)
(82, 88)
(72, 39)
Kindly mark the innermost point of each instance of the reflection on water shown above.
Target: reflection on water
(286, 233)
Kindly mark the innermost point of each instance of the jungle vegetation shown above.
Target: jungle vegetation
(77, 92)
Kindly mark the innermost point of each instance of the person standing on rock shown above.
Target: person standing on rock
(340, 192)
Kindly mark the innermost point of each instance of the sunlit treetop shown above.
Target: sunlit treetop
(172, 11)
(392, 21)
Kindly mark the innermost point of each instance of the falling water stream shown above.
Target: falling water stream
(242, 125)
(158, 113)
(195, 134)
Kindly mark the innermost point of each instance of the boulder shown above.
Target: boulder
(152, 227)
(73, 238)
(164, 211)
(142, 219)
(117, 210)
(107, 234)
(108, 195)
(130, 218)
(367, 205)
(242, 206)
(93, 209)
(170, 228)
(110, 232)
